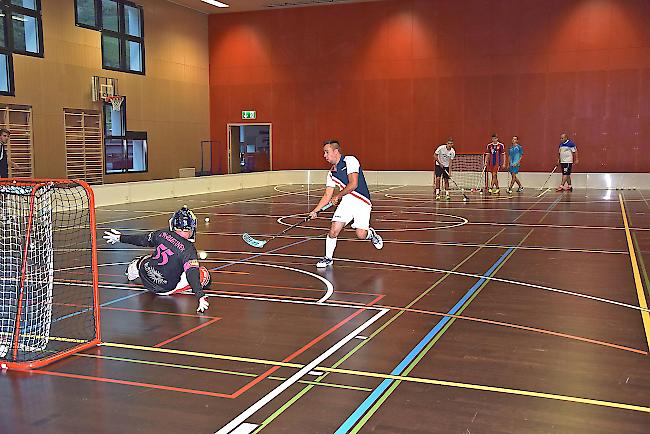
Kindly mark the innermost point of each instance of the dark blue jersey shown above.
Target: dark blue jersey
(338, 176)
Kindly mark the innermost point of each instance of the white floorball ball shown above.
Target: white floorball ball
(207, 219)
(203, 254)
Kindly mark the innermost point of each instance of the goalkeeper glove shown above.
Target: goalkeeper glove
(203, 304)
(112, 236)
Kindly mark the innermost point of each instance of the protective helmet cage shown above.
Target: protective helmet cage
(184, 219)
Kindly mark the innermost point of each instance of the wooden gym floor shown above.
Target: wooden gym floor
(502, 315)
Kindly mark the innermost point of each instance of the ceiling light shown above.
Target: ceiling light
(216, 3)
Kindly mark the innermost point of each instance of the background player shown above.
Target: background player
(494, 159)
(568, 156)
(444, 154)
(175, 267)
(354, 198)
(4, 154)
(515, 155)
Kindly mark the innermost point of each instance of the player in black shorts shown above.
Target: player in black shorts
(174, 267)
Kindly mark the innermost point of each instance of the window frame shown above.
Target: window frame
(10, 73)
(128, 135)
(98, 17)
(121, 34)
(7, 9)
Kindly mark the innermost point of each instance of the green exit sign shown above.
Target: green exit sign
(249, 114)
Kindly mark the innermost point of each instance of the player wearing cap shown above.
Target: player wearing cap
(174, 266)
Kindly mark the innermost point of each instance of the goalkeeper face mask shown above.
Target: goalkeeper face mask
(185, 220)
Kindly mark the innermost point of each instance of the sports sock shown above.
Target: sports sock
(330, 245)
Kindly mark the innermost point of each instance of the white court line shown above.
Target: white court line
(390, 208)
(245, 428)
(237, 421)
(328, 293)
(488, 199)
(386, 241)
(461, 221)
(543, 192)
(458, 273)
(155, 214)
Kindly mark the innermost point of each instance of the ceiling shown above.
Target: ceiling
(258, 5)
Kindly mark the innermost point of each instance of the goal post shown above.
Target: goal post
(468, 170)
(49, 299)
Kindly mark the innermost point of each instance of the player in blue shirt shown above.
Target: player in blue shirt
(515, 154)
(354, 198)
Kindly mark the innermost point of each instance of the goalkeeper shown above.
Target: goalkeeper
(175, 266)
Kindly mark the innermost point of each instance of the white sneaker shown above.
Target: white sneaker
(376, 239)
(132, 272)
(324, 262)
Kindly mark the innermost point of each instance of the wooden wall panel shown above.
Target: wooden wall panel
(393, 79)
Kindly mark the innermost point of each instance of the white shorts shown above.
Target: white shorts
(355, 209)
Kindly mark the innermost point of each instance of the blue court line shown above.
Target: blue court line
(126, 297)
(117, 300)
(376, 394)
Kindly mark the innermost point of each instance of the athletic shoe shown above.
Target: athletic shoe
(520, 189)
(376, 239)
(569, 188)
(560, 188)
(437, 197)
(490, 191)
(132, 271)
(447, 197)
(509, 191)
(496, 190)
(324, 262)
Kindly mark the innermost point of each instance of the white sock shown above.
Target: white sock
(330, 245)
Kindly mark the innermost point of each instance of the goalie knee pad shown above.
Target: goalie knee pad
(206, 277)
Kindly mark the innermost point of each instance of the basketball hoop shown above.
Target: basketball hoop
(116, 101)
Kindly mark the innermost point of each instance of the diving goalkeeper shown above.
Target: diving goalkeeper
(175, 266)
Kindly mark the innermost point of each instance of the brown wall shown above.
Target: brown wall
(170, 102)
(393, 79)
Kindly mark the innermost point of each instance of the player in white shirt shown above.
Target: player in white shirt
(353, 200)
(444, 154)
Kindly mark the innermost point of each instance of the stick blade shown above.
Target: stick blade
(252, 241)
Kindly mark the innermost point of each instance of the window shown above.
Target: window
(6, 74)
(125, 151)
(21, 27)
(122, 26)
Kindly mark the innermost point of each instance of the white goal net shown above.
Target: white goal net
(468, 171)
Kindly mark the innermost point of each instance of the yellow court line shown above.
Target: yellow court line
(219, 371)
(645, 316)
(506, 390)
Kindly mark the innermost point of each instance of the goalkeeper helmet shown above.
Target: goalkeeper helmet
(184, 219)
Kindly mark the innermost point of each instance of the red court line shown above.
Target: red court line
(155, 312)
(200, 326)
(215, 271)
(131, 383)
(305, 347)
(521, 327)
(207, 393)
(296, 288)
